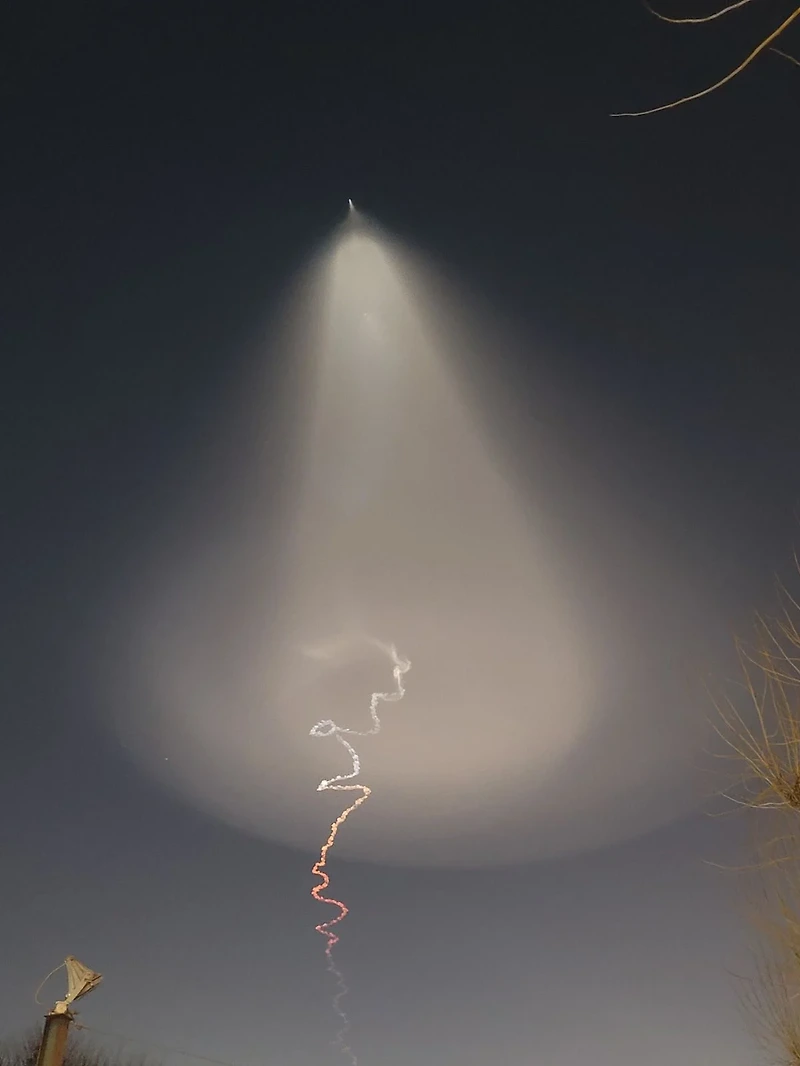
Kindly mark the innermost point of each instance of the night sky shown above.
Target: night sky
(168, 168)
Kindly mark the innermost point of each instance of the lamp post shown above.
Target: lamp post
(80, 981)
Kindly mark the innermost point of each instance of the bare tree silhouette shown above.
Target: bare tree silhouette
(771, 996)
(758, 723)
(23, 1051)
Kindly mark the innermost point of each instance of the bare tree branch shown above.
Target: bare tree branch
(759, 722)
(765, 44)
(791, 58)
(701, 18)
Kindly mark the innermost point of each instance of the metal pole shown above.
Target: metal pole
(54, 1039)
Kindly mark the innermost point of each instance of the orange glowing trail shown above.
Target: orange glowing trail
(328, 728)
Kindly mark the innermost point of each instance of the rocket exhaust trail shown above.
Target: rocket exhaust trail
(345, 783)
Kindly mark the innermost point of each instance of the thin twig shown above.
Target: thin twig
(791, 58)
(702, 18)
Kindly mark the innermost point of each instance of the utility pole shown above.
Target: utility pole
(54, 1038)
(80, 980)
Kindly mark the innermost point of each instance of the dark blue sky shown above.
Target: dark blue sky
(167, 167)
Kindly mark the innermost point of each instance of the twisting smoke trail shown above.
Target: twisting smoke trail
(328, 728)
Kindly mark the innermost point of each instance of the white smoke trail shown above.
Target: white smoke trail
(328, 728)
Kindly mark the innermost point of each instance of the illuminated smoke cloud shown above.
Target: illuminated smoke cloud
(549, 711)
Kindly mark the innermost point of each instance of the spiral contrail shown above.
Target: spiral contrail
(328, 728)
